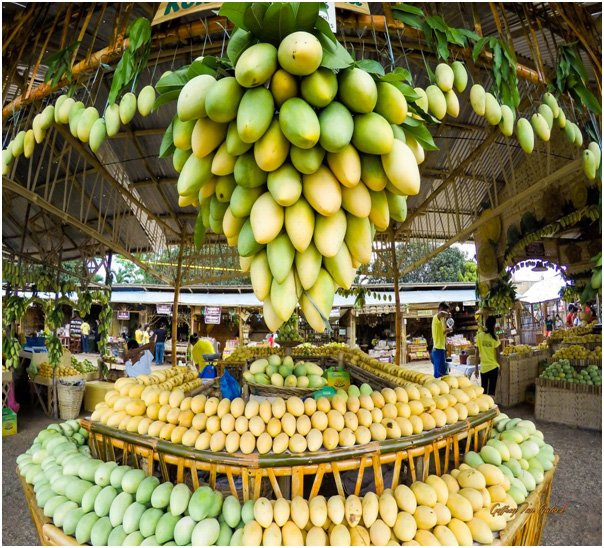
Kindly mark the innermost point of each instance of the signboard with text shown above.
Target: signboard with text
(212, 315)
(173, 10)
(165, 309)
(123, 314)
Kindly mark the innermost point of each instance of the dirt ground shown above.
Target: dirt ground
(577, 484)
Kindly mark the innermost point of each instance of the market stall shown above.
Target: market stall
(252, 143)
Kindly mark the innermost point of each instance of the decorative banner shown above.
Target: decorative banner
(123, 314)
(212, 315)
(173, 10)
(165, 309)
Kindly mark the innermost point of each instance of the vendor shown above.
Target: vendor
(439, 353)
(139, 359)
(201, 347)
(487, 352)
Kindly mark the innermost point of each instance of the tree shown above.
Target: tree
(126, 272)
(450, 265)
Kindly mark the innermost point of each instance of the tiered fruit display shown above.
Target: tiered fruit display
(578, 352)
(290, 424)
(84, 366)
(517, 349)
(102, 503)
(560, 334)
(174, 378)
(583, 339)
(45, 370)
(562, 370)
(285, 373)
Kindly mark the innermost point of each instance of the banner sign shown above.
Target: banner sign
(173, 10)
(212, 314)
(123, 314)
(164, 309)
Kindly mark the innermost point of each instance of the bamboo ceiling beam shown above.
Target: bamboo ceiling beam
(539, 186)
(37, 200)
(93, 160)
(212, 25)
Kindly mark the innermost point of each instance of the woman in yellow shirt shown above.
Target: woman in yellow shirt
(487, 348)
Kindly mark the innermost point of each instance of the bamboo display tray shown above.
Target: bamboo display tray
(569, 403)
(288, 474)
(361, 376)
(270, 391)
(526, 529)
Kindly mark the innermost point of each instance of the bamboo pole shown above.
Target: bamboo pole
(397, 297)
(214, 25)
(177, 284)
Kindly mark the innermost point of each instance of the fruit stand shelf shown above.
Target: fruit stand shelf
(526, 529)
(412, 456)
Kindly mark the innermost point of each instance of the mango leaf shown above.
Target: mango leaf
(370, 66)
(139, 33)
(306, 14)
(399, 74)
(456, 37)
(279, 21)
(173, 81)
(167, 147)
(323, 27)
(208, 65)
(166, 98)
(408, 15)
(442, 44)
(407, 91)
(253, 17)
(335, 56)
(235, 13)
(240, 40)
(587, 99)
(470, 35)
(436, 22)
(421, 135)
(478, 47)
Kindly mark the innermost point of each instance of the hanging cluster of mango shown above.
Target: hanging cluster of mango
(296, 152)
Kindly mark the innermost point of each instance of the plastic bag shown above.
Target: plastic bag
(11, 400)
(229, 387)
(209, 372)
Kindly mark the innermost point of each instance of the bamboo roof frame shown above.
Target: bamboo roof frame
(105, 227)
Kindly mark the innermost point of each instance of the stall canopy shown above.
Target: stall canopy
(248, 300)
(545, 290)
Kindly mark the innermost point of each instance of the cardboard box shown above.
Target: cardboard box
(338, 378)
(9, 422)
(95, 393)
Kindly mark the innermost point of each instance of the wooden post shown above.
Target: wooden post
(397, 298)
(239, 315)
(177, 284)
(404, 340)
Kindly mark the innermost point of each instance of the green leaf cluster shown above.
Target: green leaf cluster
(503, 67)
(571, 78)
(134, 59)
(59, 65)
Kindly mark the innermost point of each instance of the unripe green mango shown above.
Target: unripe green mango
(256, 65)
(589, 164)
(127, 108)
(540, 126)
(75, 114)
(372, 134)
(552, 103)
(246, 244)
(307, 160)
(547, 113)
(478, 99)
(87, 120)
(255, 114)
(357, 90)
(299, 123)
(29, 143)
(437, 103)
(460, 80)
(300, 53)
(191, 104)
(492, 109)
(222, 100)
(444, 77)
(336, 127)
(506, 125)
(391, 103)
(112, 120)
(146, 100)
(98, 134)
(525, 134)
(319, 88)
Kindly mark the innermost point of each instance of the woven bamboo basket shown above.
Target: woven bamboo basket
(70, 400)
(359, 375)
